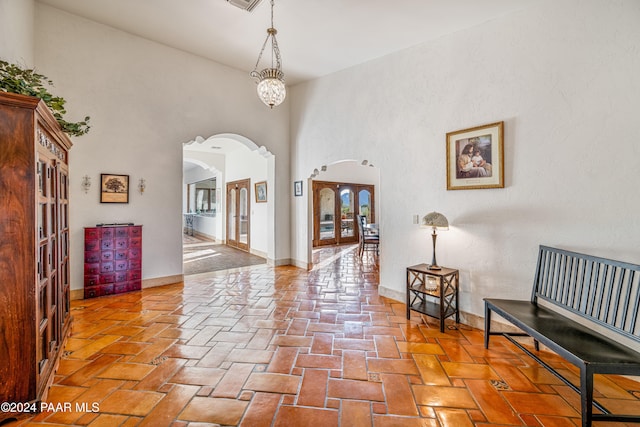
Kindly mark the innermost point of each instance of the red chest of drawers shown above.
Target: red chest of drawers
(112, 260)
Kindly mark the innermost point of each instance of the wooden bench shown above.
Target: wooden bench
(574, 294)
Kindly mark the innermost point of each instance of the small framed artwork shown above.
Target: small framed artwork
(114, 188)
(475, 157)
(297, 188)
(261, 192)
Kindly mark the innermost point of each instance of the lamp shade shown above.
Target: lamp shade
(435, 220)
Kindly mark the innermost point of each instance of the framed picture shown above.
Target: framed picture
(261, 192)
(475, 157)
(114, 188)
(297, 188)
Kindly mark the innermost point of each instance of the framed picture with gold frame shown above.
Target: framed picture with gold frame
(261, 191)
(114, 188)
(475, 157)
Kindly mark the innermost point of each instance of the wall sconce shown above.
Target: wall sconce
(142, 184)
(86, 183)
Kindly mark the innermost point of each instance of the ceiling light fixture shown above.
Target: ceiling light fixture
(271, 88)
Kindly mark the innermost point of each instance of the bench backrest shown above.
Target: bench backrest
(602, 290)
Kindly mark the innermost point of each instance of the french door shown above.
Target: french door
(238, 219)
(336, 206)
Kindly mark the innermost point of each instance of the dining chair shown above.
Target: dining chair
(367, 242)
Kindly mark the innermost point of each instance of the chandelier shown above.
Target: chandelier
(271, 89)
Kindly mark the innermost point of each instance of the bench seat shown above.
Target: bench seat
(572, 340)
(597, 291)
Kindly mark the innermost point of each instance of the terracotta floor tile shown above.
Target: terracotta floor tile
(318, 361)
(399, 395)
(130, 402)
(198, 376)
(98, 391)
(292, 416)
(359, 390)
(322, 343)
(425, 348)
(127, 371)
(93, 368)
(546, 404)
(394, 366)
(313, 391)
(275, 383)
(454, 418)
(107, 420)
(353, 344)
(94, 347)
(160, 375)
(491, 402)
(354, 365)
(156, 348)
(514, 377)
(453, 397)
(355, 414)
(217, 355)
(264, 346)
(431, 370)
(261, 411)
(214, 411)
(283, 360)
(398, 421)
(171, 405)
(469, 370)
(292, 341)
(231, 383)
(125, 347)
(249, 356)
(386, 347)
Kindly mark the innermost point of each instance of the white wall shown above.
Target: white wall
(564, 76)
(16, 32)
(144, 100)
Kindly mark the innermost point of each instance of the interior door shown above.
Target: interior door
(325, 211)
(334, 213)
(238, 218)
(347, 201)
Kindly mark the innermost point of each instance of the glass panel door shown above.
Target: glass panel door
(335, 210)
(231, 216)
(347, 214)
(244, 217)
(365, 203)
(327, 203)
(238, 219)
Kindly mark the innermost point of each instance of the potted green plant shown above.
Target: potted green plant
(16, 79)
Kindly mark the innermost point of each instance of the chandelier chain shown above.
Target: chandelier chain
(275, 49)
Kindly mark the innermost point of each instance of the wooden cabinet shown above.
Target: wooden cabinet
(34, 248)
(112, 259)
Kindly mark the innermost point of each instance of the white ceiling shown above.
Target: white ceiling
(316, 37)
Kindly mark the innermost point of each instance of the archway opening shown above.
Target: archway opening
(209, 165)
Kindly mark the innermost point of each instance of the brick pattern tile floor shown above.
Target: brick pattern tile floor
(283, 346)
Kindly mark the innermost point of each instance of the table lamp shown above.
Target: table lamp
(435, 220)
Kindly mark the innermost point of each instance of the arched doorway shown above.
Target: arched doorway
(226, 158)
(338, 193)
